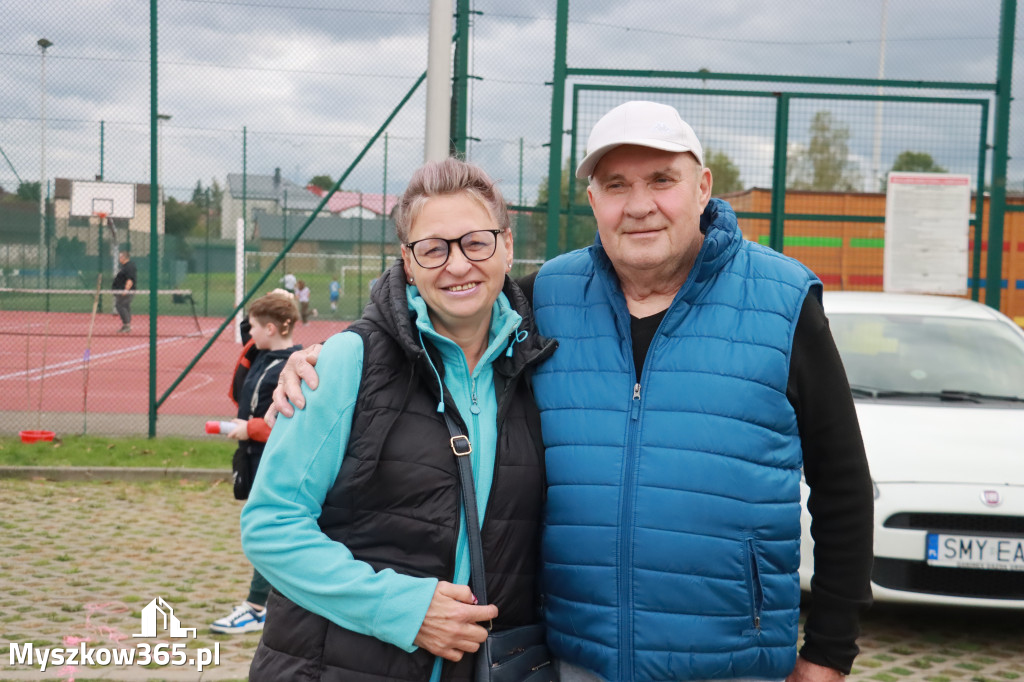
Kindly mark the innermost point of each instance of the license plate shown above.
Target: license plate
(972, 551)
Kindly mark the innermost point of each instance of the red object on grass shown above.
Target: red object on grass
(34, 436)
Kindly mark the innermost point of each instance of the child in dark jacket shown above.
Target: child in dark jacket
(272, 319)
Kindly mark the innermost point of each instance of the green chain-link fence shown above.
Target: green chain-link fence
(264, 106)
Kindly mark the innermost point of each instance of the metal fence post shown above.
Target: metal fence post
(154, 189)
(557, 115)
(1001, 135)
(776, 235)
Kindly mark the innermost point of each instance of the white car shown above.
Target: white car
(938, 383)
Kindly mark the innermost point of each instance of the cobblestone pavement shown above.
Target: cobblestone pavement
(79, 562)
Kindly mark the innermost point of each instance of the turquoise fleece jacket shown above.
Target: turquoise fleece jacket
(302, 459)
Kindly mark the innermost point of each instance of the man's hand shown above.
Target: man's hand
(299, 368)
(450, 627)
(805, 671)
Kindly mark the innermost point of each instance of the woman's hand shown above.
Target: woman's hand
(450, 627)
(299, 368)
(241, 430)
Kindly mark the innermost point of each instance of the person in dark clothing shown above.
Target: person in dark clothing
(272, 319)
(126, 280)
(356, 514)
(696, 380)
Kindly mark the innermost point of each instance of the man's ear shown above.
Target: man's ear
(705, 187)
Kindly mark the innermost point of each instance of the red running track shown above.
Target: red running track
(44, 365)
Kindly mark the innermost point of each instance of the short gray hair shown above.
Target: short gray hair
(445, 178)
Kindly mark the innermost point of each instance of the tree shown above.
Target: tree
(70, 253)
(913, 162)
(324, 182)
(199, 195)
(180, 217)
(584, 227)
(916, 162)
(824, 164)
(725, 175)
(212, 206)
(217, 195)
(28, 191)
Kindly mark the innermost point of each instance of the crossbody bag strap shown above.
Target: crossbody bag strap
(462, 447)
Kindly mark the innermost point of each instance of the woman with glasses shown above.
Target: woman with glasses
(355, 516)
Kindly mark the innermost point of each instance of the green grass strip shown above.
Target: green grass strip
(100, 451)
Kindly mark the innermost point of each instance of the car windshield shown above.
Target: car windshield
(931, 355)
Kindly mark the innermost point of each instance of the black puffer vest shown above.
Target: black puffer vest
(396, 501)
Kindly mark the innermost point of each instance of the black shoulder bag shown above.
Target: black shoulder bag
(515, 655)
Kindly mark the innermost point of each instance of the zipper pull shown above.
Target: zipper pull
(634, 409)
(475, 407)
(517, 337)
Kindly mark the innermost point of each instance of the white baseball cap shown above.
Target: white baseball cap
(646, 124)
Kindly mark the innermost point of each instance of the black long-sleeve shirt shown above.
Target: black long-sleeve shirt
(836, 470)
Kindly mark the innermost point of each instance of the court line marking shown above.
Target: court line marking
(206, 381)
(79, 364)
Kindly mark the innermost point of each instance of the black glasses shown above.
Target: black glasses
(433, 252)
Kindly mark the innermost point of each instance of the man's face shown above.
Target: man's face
(648, 204)
(122, 258)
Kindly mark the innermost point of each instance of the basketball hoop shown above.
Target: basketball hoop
(102, 216)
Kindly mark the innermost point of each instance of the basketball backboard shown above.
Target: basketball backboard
(110, 199)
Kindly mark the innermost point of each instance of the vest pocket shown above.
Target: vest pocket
(754, 590)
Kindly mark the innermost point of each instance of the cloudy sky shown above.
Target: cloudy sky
(311, 80)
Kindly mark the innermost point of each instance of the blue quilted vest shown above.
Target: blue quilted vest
(672, 531)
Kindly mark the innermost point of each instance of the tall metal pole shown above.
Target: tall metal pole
(284, 226)
(161, 119)
(519, 213)
(557, 115)
(520, 171)
(206, 289)
(359, 258)
(383, 215)
(1001, 139)
(43, 43)
(876, 156)
(154, 238)
(439, 73)
(240, 238)
(777, 229)
(460, 84)
(101, 156)
(245, 174)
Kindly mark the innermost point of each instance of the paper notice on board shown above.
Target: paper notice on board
(927, 221)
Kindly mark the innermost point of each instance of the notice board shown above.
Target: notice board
(927, 221)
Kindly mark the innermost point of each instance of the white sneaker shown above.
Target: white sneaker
(243, 619)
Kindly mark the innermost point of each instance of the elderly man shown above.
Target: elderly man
(696, 379)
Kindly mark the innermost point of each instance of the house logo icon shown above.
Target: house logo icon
(158, 614)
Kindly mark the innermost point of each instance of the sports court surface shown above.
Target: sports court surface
(52, 376)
